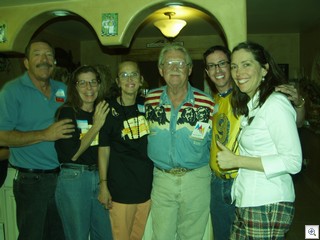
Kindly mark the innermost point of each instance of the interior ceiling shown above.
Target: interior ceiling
(264, 16)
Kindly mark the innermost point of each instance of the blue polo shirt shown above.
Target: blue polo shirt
(24, 108)
(172, 141)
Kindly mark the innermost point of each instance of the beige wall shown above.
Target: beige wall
(298, 50)
(285, 48)
(231, 16)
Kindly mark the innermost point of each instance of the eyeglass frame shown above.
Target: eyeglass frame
(172, 63)
(127, 76)
(213, 66)
(88, 82)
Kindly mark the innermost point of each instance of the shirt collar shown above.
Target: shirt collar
(164, 99)
(253, 105)
(26, 80)
(254, 101)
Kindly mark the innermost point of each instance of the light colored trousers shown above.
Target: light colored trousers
(208, 234)
(128, 221)
(180, 205)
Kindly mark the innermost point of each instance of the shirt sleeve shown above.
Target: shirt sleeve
(66, 148)
(280, 122)
(105, 131)
(9, 105)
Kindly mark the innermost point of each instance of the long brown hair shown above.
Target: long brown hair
(273, 78)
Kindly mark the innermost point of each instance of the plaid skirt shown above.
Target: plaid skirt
(265, 222)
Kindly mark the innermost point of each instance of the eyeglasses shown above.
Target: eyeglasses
(178, 64)
(126, 76)
(83, 83)
(222, 64)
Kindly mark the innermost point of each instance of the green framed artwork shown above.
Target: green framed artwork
(109, 24)
(3, 32)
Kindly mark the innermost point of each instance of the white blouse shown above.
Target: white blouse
(271, 135)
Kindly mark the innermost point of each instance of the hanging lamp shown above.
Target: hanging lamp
(170, 28)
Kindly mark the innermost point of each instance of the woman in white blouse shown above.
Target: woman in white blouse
(269, 147)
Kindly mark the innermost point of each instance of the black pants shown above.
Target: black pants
(3, 171)
(37, 215)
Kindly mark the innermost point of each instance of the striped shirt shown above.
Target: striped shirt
(179, 137)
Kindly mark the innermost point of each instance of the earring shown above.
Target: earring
(263, 79)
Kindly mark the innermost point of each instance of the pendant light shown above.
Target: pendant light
(170, 28)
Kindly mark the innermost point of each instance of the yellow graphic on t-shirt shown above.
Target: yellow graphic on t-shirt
(84, 128)
(135, 127)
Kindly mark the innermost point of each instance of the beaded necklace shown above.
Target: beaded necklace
(136, 119)
(226, 93)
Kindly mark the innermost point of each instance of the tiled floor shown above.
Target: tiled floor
(307, 205)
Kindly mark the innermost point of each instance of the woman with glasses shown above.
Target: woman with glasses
(124, 167)
(78, 183)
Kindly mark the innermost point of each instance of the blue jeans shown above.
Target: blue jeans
(81, 212)
(221, 209)
(37, 215)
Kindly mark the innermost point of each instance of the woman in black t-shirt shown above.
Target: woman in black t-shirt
(125, 170)
(78, 182)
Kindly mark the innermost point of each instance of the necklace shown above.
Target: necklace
(226, 93)
(136, 119)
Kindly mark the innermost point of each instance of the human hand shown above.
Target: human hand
(100, 114)
(104, 197)
(292, 93)
(59, 130)
(226, 158)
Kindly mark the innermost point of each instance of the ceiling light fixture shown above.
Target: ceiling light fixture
(170, 28)
(61, 13)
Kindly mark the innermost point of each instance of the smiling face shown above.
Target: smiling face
(175, 70)
(219, 75)
(246, 71)
(129, 78)
(87, 92)
(40, 61)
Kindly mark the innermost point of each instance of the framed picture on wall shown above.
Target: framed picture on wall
(109, 24)
(3, 32)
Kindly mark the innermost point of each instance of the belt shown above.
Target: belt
(226, 175)
(179, 171)
(81, 167)
(30, 170)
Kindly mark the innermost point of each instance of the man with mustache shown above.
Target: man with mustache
(180, 150)
(28, 105)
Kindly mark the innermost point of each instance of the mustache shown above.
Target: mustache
(44, 65)
(175, 73)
